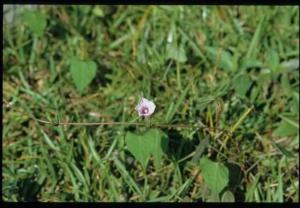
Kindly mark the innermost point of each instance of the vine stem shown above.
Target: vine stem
(112, 123)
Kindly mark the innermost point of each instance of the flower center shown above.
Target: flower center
(144, 110)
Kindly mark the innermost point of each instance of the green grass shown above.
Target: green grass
(232, 70)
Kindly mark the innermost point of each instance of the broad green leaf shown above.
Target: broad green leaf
(228, 197)
(36, 21)
(176, 53)
(153, 142)
(221, 57)
(136, 145)
(215, 175)
(241, 85)
(83, 72)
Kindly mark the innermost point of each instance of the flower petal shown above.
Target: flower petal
(151, 107)
(145, 103)
(139, 105)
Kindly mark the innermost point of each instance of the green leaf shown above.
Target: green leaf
(285, 128)
(272, 60)
(205, 101)
(36, 21)
(176, 53)
(153, 142)
(215, 175)
(135, 144)
(250, 63)
(82, 72)
(97, 11)
(228, 197)
(242, 84)
(223, 58)
(290, 120)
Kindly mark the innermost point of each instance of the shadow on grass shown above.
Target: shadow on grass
(179, 147)
(235, 180)
(28, 189)
(101, 79)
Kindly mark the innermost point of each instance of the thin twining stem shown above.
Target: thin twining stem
(127, 123)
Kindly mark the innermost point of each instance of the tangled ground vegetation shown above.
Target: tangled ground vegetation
(224, 79)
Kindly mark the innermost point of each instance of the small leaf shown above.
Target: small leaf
(36, 21)
(272, 60)
(228, 197)
(97, 11)
(82, 72)
(285, 128)
(242, 84)
(221, 57)
(176, 53)
(154, 142)
(205, 101)
(250, 63)
(215, 175)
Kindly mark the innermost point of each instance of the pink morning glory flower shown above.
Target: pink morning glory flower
(145, 107)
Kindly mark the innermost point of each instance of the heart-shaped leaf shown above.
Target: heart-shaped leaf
(36, 21)
(215, 174)
(242, 84)
(222, 57)
(83, 72)
(228, 197)
(154, 142)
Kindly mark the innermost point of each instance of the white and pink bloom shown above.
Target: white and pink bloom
(145, 107)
